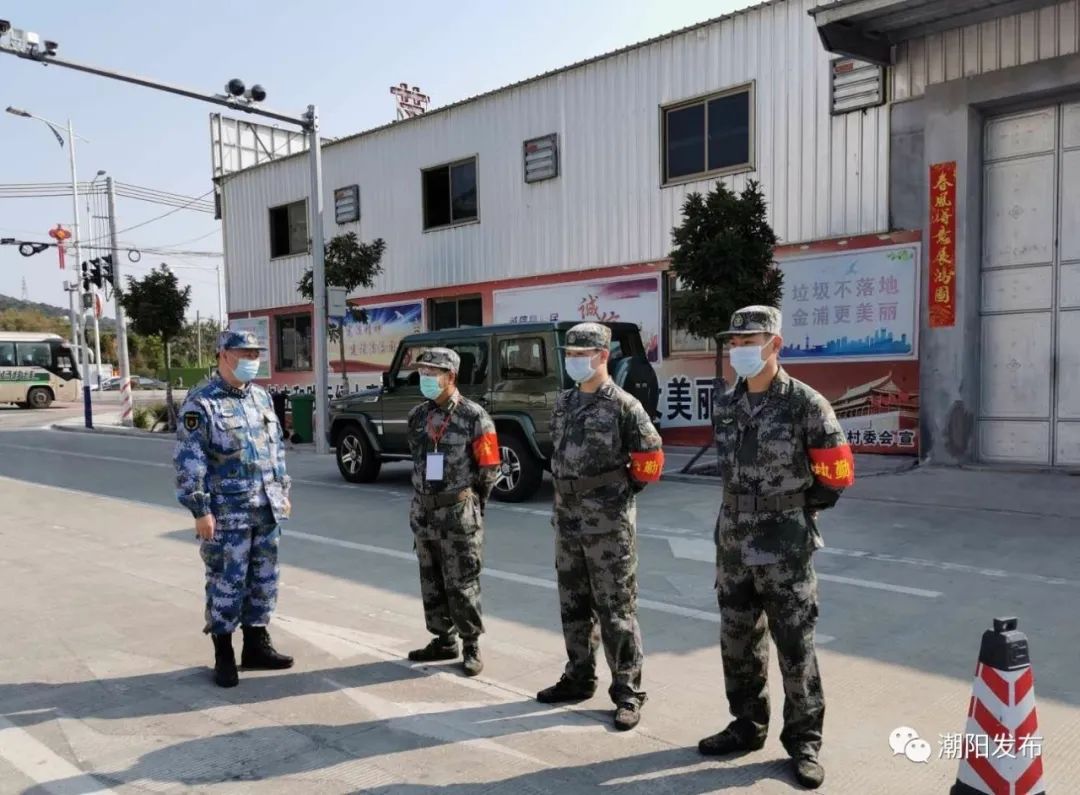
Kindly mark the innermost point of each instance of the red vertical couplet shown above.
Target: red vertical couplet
(943, 245)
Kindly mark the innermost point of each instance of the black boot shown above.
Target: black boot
(566, 689)
(471, 663)
(259, 652)
(437, 649)
(224, 662)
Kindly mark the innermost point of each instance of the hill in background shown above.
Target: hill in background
(11, 308)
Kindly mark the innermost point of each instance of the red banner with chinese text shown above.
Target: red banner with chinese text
(942, 245)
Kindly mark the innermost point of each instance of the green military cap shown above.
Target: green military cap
(588, 336)
(443, 358)
(755, 320)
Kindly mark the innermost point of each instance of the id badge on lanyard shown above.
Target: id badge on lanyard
(435, 465)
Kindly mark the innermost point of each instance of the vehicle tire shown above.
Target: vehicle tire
(39, 398)
(520, 474)
(355, 456)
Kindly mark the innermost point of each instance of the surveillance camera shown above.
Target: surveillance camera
(235, 87)
(51, 47)
(5, 26)
(256, 94)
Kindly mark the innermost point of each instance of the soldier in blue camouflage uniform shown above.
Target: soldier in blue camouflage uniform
(455, 453)
(606, 450)
(230, 473)
(783, 458)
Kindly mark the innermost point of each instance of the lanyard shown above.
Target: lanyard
(437, 435)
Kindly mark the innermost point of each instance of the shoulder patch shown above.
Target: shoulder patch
(192, 419)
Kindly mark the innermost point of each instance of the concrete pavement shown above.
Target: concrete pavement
(106, 685)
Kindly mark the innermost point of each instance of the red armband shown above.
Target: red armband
(486, 450)
(646, 467)
(833, 466)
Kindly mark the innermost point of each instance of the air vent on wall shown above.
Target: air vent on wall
(856, 85)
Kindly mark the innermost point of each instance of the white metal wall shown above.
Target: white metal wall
(976, 49)
(824, 176)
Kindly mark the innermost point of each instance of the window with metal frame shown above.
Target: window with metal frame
(680, 340)
(449, 194)
(294, 342)
(456, 312)
(520, 358)
(288, 229)
(708, 136)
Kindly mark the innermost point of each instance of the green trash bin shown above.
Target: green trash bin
(303, 408)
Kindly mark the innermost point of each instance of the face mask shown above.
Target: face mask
(747, 361)
(246, 369)
(430, 387)
(580, 368)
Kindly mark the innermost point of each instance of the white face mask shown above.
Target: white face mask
(580, 368)
(746, 360)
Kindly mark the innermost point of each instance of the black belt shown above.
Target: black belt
(581, 485)
(444, 498)
(752, 503)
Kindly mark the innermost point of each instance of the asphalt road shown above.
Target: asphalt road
(916, 567)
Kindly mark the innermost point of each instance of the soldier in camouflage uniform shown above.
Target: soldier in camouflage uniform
(606, 450)
(456, 458)
(230, 473)
(783, 458)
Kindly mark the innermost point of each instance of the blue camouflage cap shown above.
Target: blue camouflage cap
(231, 340)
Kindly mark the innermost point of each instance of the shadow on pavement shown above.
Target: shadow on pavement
(182, 690)
(273, 752)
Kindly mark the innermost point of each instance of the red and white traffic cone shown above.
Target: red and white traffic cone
(1002, 750)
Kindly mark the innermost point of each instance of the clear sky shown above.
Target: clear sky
(342, 56)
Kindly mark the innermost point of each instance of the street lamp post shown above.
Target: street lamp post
(29, 46)
(84, 352)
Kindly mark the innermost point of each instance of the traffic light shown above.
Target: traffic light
(99, 272)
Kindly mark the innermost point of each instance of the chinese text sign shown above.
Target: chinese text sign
(857, 305)
(635, 299)
(942, 245)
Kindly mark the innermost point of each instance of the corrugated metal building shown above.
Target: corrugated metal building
(744, 97)
(985, 160)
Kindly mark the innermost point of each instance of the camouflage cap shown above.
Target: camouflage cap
(230, 340)
(755, 320)
(443, 358)
(588, 336)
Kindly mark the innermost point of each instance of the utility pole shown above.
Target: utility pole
(121, 322)
(198, 336)
(88, 406)
(318, 257)
(31, 47)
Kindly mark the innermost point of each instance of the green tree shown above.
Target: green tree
(156, 306)
(33, 320)
(349, 264)
(723, 260)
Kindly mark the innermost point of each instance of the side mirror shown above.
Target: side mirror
(386, 381)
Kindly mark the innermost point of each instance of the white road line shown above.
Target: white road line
(941, 565)
(880, 586)
(522, 579)
(94, 456)
(705, 551)
(644, 531)
(40, 764)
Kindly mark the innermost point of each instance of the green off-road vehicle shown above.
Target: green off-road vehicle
(514, 371)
